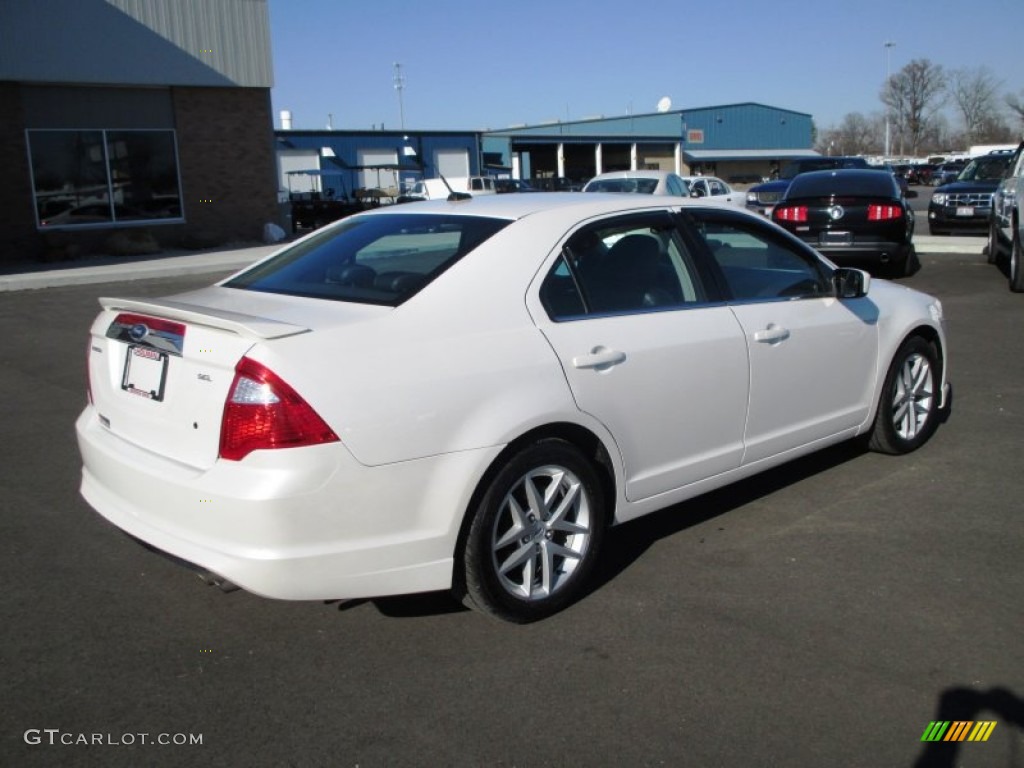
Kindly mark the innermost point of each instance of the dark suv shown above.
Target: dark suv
(763, 197)
(966, 203)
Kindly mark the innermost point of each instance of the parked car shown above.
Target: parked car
(762, 197)
(919, 174)
(966, 202)
(555, 184)
(504, 186)
(901, 179)
(443, 188)
(1006, 225)
(713, 188)
(467, 395)
(947, 172)
(639, 182)
(851, 216)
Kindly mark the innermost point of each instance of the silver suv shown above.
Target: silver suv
(1006, 226)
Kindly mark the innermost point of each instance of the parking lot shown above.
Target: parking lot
(822, 614)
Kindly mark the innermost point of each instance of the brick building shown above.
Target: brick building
(126, 123)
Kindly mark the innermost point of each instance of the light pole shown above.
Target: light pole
(887, 45)
(399, 80)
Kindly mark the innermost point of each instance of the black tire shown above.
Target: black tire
(936, 232)
(1016, 265)
(906, 265)
(992, 248)
(515, 525)
(908, 407)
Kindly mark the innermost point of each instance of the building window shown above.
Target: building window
(96, 178)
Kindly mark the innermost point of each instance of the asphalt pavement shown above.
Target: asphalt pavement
(821, 614)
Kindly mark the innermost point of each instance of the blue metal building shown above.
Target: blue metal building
(741, 142)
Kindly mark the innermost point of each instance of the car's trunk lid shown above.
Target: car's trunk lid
(160, 370)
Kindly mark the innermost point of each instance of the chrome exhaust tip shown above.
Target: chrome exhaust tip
(215, 580)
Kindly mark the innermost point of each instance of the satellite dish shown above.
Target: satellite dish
(664, 104)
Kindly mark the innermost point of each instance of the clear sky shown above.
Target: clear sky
(476, 64)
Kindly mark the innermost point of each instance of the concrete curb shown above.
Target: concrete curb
(171, 266)
(951, 244)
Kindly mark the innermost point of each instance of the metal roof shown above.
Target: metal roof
(722, 155)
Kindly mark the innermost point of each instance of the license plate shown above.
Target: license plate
(836, 238)
(145, 373)
(965, 210)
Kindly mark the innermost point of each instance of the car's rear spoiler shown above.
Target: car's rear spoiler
(225, 320)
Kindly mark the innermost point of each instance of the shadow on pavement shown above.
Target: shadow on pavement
(964, 705)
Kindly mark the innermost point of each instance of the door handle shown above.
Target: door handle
(599, 357)
(773, 334)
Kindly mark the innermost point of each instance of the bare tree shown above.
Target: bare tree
(855, 135)
(1016, 105)
(975, 95)
(913, 96)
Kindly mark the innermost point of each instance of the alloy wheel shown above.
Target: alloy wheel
(913, 397)
(541, 532)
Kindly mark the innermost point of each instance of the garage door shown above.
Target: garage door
(378, 178)
(298, 160)
(452, 163)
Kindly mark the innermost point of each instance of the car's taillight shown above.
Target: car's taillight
(262, 412)
(886, 212)
(796, 213)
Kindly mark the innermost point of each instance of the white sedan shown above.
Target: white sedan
(469, 395)
(713, 188)
(639, 182)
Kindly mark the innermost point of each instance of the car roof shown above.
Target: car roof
(512, 207)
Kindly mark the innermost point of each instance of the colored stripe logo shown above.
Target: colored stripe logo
(958, 730)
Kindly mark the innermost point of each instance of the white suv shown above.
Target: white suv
(1006, 228)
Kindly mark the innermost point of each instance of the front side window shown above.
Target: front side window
(96, 177)
(380, 259)
(631, 264)
(756, 263)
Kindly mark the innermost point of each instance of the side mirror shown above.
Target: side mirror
(851, 283)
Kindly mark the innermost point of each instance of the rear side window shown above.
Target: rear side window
(381, 259)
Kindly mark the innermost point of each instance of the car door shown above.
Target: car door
(626, 309)
(813, 357)
(722, 191)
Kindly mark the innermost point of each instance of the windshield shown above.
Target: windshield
(640, 186)
(984, 169)
(381, 259)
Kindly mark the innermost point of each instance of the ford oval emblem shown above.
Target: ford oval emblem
(138, 332)
(836, 212)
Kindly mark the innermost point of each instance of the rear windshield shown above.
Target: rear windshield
(821, 164)
(640, 186)
(381, 259)
(861, 184)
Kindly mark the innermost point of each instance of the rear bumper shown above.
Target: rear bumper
(295, 524)
(873, 251)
